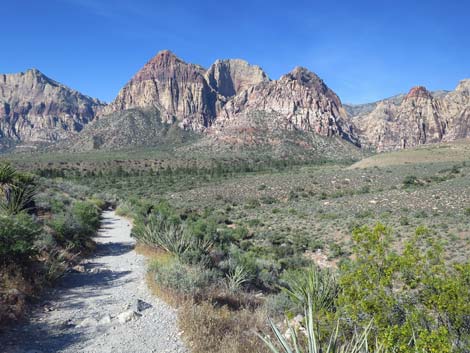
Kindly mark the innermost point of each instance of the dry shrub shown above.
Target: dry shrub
(219, 321)
(208, 329)
(14, 291)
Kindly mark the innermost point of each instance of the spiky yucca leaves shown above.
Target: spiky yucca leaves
(313, 343)
(18, 190)
(7, 174)
(318, 284)
(157, 231)
(236, 277)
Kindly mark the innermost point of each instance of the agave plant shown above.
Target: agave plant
(313, 343)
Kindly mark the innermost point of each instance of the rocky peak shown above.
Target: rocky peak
(422, 117)
(178, 89)
(310, 80)
(464, 86)
(166, 65)
(419, 92)
(231, 76)
(35, 108)
(298, 101)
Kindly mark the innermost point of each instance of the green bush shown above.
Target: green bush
(17, 236)
(415, 301)
(87, 214)
(185, 280)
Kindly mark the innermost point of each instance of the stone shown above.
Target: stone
(139, 305)
(298, 101)
(127, 316)
(88, 322)
(105, 320)
(79, 269)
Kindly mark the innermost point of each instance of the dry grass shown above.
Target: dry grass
(208, 329)
(154, 254)
(15, 288)
(457, 151)
(220, 322)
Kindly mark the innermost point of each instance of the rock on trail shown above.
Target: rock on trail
(105, 306)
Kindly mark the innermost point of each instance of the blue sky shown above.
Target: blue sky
(364, 50)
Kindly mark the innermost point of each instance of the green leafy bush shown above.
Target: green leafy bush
(17, 236)
(87, 214)
(189, 281)
(415, 301)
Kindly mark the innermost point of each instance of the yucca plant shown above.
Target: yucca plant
(313, 343)
(314, 283)
(174, 238)
(7, 174)
(18, 198)
(18, 190)
(236, 277)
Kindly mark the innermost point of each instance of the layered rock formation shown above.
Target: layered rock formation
(179, 90)
(186, 93)
(231, 103)
(422, 117)
(298, 101)
(34, 108)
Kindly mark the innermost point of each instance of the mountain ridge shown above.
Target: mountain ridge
(229, 98)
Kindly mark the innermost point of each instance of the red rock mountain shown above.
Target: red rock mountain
(231, 103)
(229, 92)
(298, 101)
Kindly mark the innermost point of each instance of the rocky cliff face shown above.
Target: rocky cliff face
(179, 90)
(298, 101)
(230, 77)
(422, 117)
(34, 108)
(186, 93)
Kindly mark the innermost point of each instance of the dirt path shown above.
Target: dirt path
(105, 308)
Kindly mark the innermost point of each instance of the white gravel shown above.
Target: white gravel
(90, 311)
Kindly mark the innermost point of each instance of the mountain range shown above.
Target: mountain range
(230, 105)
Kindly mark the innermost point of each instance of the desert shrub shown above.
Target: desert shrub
(125, 209)
(17, 235)
(210, 329)
(407, 296)
(99, 203)
(411, 180)
(187, 281)
(158, 231)
(252, 203)
(279, 304)
(87, 214)
(70, 232)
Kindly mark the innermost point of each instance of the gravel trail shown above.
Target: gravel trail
(102, 307)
